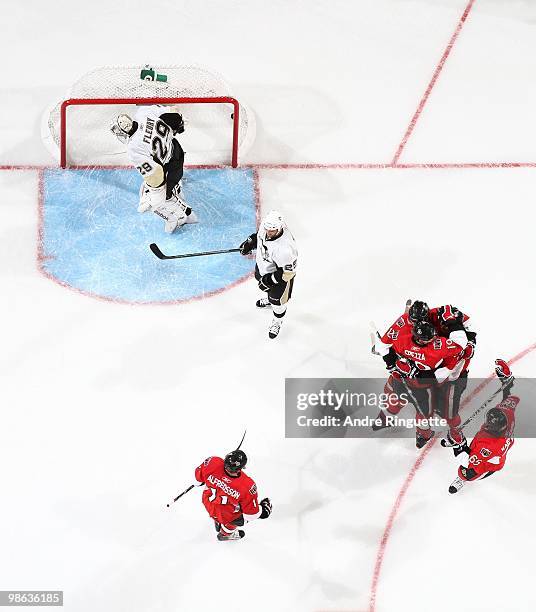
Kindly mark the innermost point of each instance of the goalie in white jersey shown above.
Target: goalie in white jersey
(275, 265)
(159, 158)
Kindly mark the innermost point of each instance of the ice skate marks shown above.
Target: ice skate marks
(93, 240)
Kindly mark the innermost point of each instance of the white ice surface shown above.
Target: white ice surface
(107, 408)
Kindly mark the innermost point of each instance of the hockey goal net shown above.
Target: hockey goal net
(218, 129)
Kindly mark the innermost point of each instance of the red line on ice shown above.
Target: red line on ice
(407, 482)
(308, 166)
(432, 83)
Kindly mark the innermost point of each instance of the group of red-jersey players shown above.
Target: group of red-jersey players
(427, 352)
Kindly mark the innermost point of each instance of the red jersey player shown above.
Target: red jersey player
(230, 495)
(488, 450)
(448, 322)
(419, 363)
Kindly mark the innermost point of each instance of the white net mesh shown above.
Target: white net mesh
(208, 135)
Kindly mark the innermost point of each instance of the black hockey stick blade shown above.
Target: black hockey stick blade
(154, 248)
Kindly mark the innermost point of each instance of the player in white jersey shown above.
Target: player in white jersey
(275, 265)
(159, 158)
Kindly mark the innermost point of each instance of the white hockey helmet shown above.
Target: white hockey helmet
(273, 221)
(121, 127)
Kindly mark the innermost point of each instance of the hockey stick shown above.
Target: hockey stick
(154, 248)
(373, 334)
(486, 403)
(180, 495)
(238, 447)
(377, 333)
(192, 486)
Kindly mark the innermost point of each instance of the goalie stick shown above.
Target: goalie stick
(156, 251)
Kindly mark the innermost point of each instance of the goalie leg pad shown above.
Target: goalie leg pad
(151, 197)
(173, 214)
(175, 199)
(145, 199)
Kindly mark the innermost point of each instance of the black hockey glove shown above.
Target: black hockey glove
(390, 359)
(464, 448)
(248, 245)
(267, 282)
(471, 336)
(468, 473)
(266, 506)
(457, 447)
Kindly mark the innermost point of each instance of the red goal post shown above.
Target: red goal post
(147, 101)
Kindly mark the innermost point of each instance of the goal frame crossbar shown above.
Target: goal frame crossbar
(146, 101)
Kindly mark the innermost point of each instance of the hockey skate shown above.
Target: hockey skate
(421, 440)
(456, 485)
(263, 303)
(383, 425)
(457, 447)
(238, 534)
(273, 332)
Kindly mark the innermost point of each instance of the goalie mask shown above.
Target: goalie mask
(122, 127)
